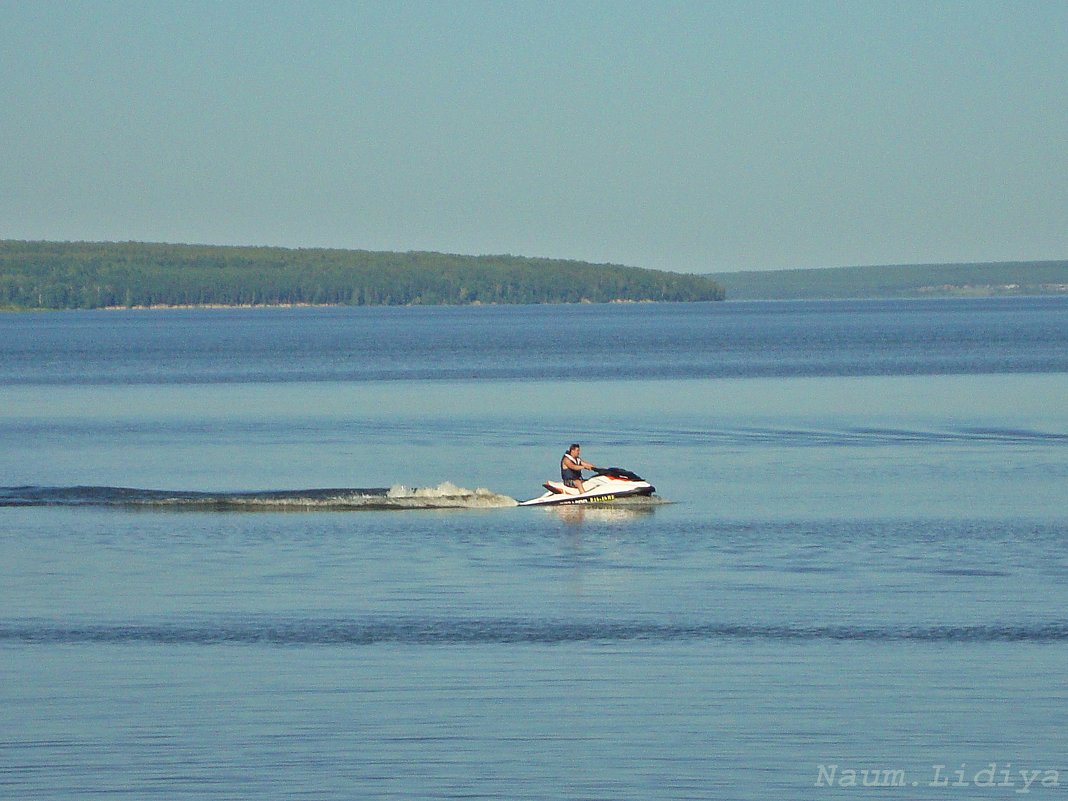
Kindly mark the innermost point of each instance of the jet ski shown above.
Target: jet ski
(607, 484)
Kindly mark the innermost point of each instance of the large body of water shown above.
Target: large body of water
(274, 553)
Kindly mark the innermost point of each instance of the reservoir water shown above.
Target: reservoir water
(274, 553)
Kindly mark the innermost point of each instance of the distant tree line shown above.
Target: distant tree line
(900, 281)
(61, 275)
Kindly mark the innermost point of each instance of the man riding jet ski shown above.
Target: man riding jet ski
(571, 467)
(608, 483)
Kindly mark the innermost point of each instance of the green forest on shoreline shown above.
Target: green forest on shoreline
(93, 275)
(89, 275)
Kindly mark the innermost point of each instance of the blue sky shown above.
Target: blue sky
(695, 137)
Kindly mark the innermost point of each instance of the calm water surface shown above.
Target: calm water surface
(225, 571)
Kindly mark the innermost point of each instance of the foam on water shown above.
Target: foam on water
(447, 495)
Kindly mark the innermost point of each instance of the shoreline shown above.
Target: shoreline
(616, 302)
(223, 306)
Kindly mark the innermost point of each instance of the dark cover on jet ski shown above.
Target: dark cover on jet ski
(618, 472)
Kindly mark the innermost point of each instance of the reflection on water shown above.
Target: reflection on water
(624, 510)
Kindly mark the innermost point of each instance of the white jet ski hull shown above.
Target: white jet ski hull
(599, 489)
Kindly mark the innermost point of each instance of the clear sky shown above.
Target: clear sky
(698, 137)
